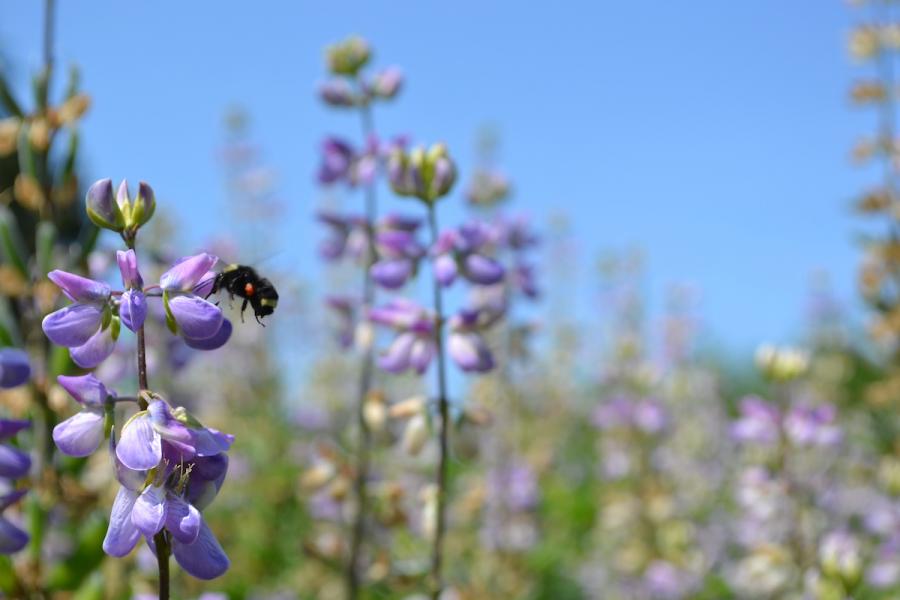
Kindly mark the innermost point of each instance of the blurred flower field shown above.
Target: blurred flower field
(431, 418)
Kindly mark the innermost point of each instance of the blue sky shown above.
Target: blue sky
(712, 134)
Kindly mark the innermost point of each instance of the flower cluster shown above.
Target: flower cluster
(349, 87)
(15, 370)
(169, 466)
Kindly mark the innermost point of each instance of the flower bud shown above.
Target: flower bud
(348, 57)
(144, 205)
(387, 83)
(427, 175)
(101, 209)
(840, 557)
(337, 92)
(415, 435)
(375, 411)
(781, 364)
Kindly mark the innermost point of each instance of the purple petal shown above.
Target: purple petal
(10, 427)
(14, 463)
(421, 354)
(149, 512)
(445, 269)
(14, 367)
(197, 319)
(80, 434)
(206, 480)
(166, 425)
(140, 448)
(85, 389)
(182, 520)
(396, 358)
(187, 272)
(12, 539)
(470, 352)
(391, 274)
(205, 285)
(204, 558)
(122, 534)
(95, 350)
(133, 309)
(80, 289)
(214, 342)
(483, 270)
(210, 442)
(73, 325)
(10, 498)
(128, 267)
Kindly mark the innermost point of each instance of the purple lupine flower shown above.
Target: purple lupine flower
(414, 345)
(338, 157)
(81, 434)
(760, 421)
(159, 431)
(169, 502)
(15, 369)
(386, 84)
(133, 303)
(516, 234)
(523, 279)
(466, 346)
(461, 252)
(12, 539)
(341, 162)
(349, 236)
(199, 322)
(85, 327)
(14, 463)
(337, 93)
(345, 309)
(398, 256)
(812, 425)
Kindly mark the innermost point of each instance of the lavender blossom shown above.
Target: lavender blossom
(465, 343)
(171, 499)
(414, 345)
(81, 434)
(87, 327)
(133, 303)
(399, 253)
(198, 321)
(15, 368)
(462, 252)
(349, 236)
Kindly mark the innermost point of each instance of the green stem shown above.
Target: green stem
(364, 443)
(437, 550)
(160, 540)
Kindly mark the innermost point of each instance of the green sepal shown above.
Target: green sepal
(116, 328)
(11, 242)
(109, 418)
(107, 317)
(170, 318)
(45, 239)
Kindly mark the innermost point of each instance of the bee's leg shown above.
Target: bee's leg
(260, 322)
(243, 308)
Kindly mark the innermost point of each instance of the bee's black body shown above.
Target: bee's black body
(244, 282)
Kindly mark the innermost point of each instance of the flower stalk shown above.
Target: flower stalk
(364, 443)
(437, 549)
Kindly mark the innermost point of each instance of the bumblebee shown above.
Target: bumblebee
(245, 282)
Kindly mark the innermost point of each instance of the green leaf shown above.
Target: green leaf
(7, 100)
(11, 245)
(45, 239)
